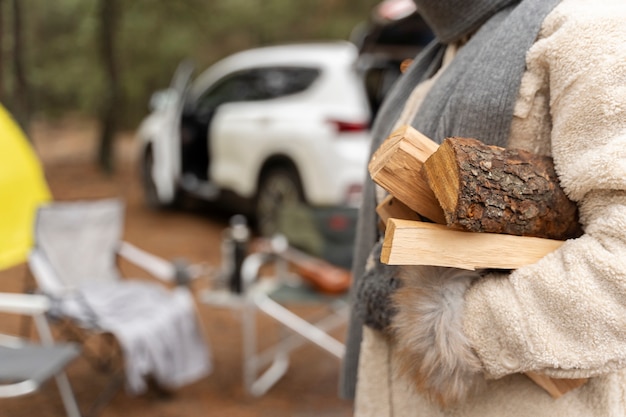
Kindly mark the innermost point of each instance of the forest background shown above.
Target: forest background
(103, 59)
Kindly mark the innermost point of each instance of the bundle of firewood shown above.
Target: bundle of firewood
(468, 205)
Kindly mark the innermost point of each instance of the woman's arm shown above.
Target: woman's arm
(565, 316)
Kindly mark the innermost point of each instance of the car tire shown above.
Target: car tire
(151, 196)
(277, 188)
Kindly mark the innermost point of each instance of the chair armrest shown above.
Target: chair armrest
(30, 304)
(159, 267)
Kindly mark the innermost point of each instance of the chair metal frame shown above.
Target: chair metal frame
(262, 369)
(36, 306)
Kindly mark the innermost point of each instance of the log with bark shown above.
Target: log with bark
(491, 189)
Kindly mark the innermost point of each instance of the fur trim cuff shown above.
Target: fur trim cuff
(430, 344)
(374, 291)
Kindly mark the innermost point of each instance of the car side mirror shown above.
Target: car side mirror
(159, 99)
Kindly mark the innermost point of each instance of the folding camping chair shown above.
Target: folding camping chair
(268, 285)
(155, 328)
(25, 364)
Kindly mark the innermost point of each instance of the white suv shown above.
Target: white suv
(267, 126)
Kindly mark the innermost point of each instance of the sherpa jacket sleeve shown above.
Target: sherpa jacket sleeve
(565, 315)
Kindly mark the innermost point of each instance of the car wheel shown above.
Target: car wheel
(278, 187)
(151, 196)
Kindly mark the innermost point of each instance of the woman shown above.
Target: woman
(547, 76)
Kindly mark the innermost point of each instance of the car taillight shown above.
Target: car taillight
(338, 222)
(343, 126)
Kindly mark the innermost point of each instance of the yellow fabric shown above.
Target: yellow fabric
(22, 188)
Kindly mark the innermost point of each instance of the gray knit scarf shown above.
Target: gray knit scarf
(474, 97)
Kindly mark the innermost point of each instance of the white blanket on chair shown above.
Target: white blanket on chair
(157, 329)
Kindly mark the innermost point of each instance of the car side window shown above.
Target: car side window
(256, 84)
(281, 82)
(234, 87)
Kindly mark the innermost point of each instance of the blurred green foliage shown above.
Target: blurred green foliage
(65, 74)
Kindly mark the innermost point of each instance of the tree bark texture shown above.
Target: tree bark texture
(2, 59)
(109, 17)
(21, 92)
(485, 188)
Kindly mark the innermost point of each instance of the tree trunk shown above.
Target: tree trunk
(491, 189)
(109, 16)
(2, 92)
(21, 93)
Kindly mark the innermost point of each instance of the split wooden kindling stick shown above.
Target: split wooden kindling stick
(409, 242)
(396, 166)
(392, 208)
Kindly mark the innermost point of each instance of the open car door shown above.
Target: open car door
(162, 159)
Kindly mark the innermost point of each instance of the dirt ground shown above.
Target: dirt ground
(308, 389)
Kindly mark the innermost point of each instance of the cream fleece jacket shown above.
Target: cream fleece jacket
(564, 316)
